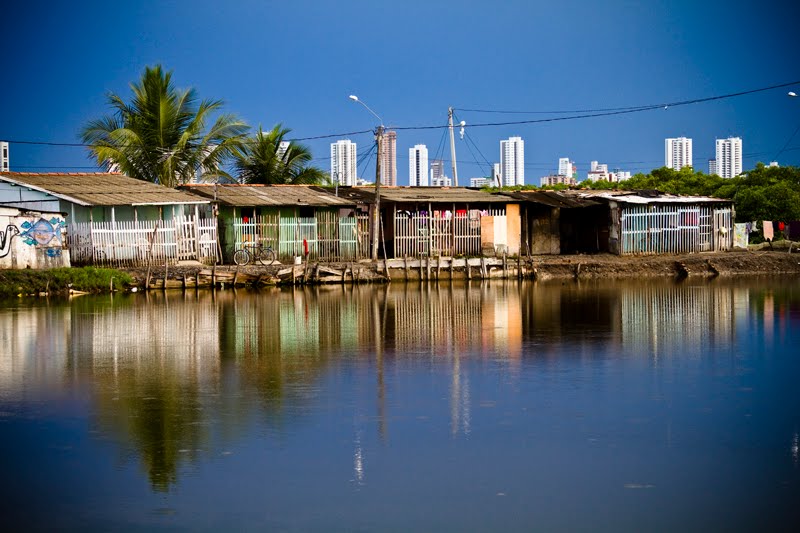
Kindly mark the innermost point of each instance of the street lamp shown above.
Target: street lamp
(355, 99)
(376, 220)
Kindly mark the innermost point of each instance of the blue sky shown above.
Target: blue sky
(296, 63)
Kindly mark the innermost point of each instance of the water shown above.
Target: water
(502, 407)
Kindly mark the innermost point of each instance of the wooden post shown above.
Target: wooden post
(505, 265)
(438, 266)
(483, 267)
(452, 260)
(468, 269)
(428, 265)
(405, 264)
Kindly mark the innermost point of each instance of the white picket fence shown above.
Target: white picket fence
(442, 233)
(675, 229)
(138, 243)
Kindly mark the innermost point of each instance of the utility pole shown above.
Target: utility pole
(376, 221)
(452, 145)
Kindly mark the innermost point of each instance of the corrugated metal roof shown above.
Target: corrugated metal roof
(650, 197)
(585, 198)
(100, 188)
(422, 195)
(269, 195)
(552, 198)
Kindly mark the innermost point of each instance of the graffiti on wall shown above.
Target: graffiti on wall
(42, 232)
(6, 237)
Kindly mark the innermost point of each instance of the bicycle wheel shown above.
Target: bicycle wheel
(266, 256)
(241, 257)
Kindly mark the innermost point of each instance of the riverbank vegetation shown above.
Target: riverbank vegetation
(62, 281)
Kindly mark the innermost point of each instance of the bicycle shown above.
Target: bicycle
(257, 252)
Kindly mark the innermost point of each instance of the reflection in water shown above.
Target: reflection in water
(177, 379)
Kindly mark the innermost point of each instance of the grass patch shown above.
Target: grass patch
(61, 280)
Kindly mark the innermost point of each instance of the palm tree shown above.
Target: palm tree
(268, 159)
(160, 136)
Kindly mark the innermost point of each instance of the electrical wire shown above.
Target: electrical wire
(583, 115)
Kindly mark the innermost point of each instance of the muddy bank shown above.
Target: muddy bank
(596, 266)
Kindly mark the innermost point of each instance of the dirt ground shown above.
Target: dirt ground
(724, 264)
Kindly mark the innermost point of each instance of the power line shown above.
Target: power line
(584, 115)
(629, 108)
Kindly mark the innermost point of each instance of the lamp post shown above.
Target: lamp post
(376, 220)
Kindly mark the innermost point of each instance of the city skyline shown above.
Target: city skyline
(329, 38)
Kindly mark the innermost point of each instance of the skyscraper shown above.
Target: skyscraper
(389, 158)
(565, 167)
(4, 167)
(729, 157)
(418, 166)
(343, 162)
(437, 170)
(677, 153)
(512, 161)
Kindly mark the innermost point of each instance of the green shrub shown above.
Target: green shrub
(61, 280)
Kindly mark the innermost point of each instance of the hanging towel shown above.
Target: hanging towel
(748, 226)
(741, 237)
(768, 234)
(781, 226)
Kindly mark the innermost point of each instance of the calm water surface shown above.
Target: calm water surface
(502, 407)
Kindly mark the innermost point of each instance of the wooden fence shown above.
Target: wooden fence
(135, 243)
(440, 233)
(328, 236)
(658, 229)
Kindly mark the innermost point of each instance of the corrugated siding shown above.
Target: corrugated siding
(660, 229)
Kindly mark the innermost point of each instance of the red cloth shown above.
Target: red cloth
(781, 226)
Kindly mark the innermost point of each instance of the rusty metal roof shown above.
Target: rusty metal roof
(269, 195)
(424, 195)
(100, 188)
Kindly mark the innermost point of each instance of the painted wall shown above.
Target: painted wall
(32, 239)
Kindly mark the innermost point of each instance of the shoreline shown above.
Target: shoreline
(539, 268)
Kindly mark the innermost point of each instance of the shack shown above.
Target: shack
(443, 221)
(113, 219)
(295, 220)
(623, 222)
(32, 239)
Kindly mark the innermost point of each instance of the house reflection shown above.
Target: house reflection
(178, 376)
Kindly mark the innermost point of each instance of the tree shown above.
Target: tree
(268, 159)
(160, 135)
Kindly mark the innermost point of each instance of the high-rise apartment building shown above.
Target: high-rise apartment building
(418, 166)
(4, 167)
(512, 161)
(283, 147)
(712, 167)
(729, 157)
(437, 171)
(497, 178)
(677, 153)
(598, 171)
(389, 158)
(565, 167)
(344, 162)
